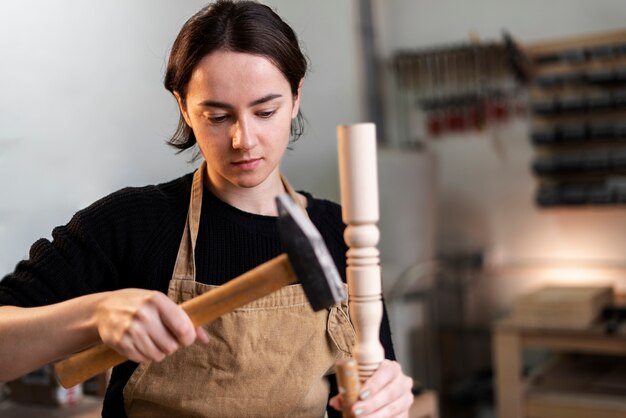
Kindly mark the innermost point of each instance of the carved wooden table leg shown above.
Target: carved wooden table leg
(359, 199)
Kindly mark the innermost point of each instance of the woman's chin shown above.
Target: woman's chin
(248, 180)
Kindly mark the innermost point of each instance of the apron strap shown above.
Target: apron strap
(294, 195)
(185, 267)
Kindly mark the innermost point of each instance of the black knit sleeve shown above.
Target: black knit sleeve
(77, 261)
(70, 265)
(99, 249)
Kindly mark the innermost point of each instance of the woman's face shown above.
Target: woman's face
(240, 108)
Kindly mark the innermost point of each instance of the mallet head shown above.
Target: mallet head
(308, 255)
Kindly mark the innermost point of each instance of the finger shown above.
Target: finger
(335, 402)
(202, 336)
(145, 342)
(386, 373)
(175, 320)
(384, 388)
(162, 338)
(121, 343)
(150, 334)
(131, 340)
(127, 348)
(396, 408)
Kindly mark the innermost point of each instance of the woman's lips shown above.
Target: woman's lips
(247, 165)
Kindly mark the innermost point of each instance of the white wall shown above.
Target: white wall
(484, 183)
(83, 111)
(416, 23)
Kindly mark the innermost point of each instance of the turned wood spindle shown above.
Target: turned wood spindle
(359, 200)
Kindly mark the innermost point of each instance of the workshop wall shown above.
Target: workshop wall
(484, 181)
(83, 111)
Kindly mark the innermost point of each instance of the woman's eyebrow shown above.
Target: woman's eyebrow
(223, 105)
(265, 99)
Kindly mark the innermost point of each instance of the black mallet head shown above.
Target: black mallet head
(308, 256)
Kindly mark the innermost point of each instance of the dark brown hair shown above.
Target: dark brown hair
(238, 26)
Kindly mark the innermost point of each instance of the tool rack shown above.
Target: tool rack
(578, 119)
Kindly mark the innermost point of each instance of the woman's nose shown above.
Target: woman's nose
(242, 136)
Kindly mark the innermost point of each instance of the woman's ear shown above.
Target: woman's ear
(296, 101)
(183, 108)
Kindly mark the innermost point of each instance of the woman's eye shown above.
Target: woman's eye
(266, 114)
(218, 118)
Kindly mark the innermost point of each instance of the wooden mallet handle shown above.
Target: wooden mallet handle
(250, 286)
(348, 384)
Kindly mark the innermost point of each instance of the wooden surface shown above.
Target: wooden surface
(359, 200)
(562, 306)
(510, 338)
(349, 385)
(425, 406)
(87, 407)
(588, 40)
(564, 405)
(507, 364)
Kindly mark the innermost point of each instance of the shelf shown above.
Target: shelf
(578, 100)
(541, 404)
(516, 397)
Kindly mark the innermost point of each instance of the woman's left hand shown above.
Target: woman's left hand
(387, 393)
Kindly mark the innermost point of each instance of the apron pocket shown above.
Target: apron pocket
(341, 330)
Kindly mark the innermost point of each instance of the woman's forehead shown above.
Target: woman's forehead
(234, 73)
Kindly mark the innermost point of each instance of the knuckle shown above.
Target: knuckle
(115, 341)
(140, 314)
(179, 329)
(184, 332)
(133, 330)
(108, 338)
(171, 348)
(125, 345)
(153, 296)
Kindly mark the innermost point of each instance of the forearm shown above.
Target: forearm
(32, 337)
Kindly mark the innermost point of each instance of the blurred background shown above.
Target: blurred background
(499, 123)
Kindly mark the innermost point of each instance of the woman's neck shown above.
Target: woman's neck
(259, 199)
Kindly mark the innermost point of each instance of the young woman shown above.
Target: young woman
(236, 71)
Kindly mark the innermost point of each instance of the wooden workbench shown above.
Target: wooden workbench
(514, 397)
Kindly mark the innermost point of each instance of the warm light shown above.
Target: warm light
(577, 276)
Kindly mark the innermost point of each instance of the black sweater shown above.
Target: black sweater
(130, 239)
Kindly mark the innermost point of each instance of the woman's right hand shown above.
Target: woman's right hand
(144, 325)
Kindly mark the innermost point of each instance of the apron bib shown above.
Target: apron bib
(268, 358)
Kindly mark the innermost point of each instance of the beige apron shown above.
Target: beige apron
(266, 359)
